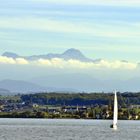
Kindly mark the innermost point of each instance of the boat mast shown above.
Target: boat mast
(115, 117)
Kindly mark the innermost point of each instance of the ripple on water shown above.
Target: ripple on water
(41, 129)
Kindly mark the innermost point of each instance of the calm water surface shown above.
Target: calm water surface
(43, 129)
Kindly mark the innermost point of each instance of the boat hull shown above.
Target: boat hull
(113, 126)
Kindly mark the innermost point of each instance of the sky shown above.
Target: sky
(106, 29)
(100, 28)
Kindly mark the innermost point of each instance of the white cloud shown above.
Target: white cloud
(61, 63)
(21, 61)
(117, 64)
(8, 60)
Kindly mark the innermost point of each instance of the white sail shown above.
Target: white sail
(115, 117)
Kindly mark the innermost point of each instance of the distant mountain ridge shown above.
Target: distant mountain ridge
(4, 92)
(70, 83)
(65, 81)
(8, 87)
(67, 55)
(10, 54)
(19, 86)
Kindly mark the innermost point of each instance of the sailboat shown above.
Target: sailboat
(115, 114)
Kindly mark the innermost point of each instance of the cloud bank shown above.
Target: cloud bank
(8, 60)
(62, 64)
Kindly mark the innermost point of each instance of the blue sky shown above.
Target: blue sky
(100, 29)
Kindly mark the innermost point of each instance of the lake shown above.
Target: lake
(57, 129)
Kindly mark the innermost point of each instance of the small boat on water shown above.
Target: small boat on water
(115, 113)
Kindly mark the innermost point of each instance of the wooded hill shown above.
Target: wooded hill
(124, 99)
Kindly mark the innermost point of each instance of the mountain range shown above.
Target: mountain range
(63, 82)
(67, 55)
(18, 86)
(67, 83)
(8, 87)
(50, 83)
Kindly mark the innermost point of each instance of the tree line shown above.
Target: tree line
(81, 99)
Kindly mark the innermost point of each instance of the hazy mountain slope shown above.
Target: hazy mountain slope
(67, 83)
(10, 54)
(80, 82)
(4, 92)
(84, 82)
(20, 86)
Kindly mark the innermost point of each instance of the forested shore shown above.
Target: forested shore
(70, 105)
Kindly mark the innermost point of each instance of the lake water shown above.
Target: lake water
(47, 129)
